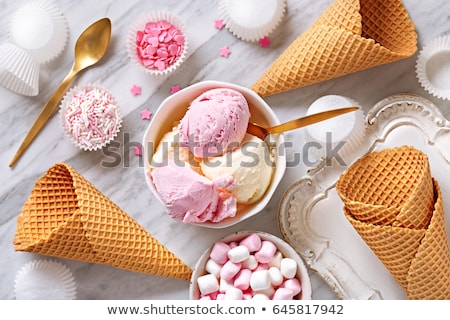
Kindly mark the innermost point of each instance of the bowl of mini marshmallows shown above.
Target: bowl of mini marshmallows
(250, 265)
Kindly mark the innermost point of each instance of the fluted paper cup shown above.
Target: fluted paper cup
(19, 71)
(40, 28)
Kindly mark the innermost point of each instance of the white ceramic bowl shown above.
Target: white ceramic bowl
(174, 107)
(286, 250)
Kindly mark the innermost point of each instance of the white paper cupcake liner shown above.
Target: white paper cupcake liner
(349, 128)
(251, 20)
(45, 280)
(139, 24)
(40, 28)
(433, 67)
(95, 140)
(19, 71)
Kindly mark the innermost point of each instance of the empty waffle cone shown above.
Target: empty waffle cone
(387, 200)
(66, 216)
(351, 35)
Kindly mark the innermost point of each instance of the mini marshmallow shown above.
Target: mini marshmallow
(276, 260)
(252, 242)
(293, 285)
(213, 267)
(260, 296)
(275, 276)
(205, 298)
(283, 294)
(242, 279)
(238, 254)
(207, 284)
(262, 266)
(267, 292)
(233, 244)
(250, 263)
(260, 280)
(288, 267)
(220, 296)
(247, 296)
(219, 252)
(266, 252)
(233, 294)
(224, 285)
(229, 270)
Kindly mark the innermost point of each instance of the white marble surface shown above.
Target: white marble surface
(125, 183)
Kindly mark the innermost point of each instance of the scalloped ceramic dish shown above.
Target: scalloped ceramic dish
(310, 217)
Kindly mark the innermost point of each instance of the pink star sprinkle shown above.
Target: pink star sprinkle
(174, 89)
(264, 42)
(146, 114)
(225, 52)
(137, 151)
(135, 90)
(219, 24)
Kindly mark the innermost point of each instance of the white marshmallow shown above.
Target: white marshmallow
(233, 294)
(238, 254)
(224, 285)
(267, 292)
(213, 267)
(250, 263)
(207, 284)
(288, 267)
(276, 260)
(260, 296)
(260, 280)
(275, 276)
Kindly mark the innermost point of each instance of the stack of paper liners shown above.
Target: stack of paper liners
(396, 206)
(351, 35)
(66, 216)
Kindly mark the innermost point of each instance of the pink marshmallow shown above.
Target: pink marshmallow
(219, 252)
(247, 296)
(233, 244)
(262, 266)
(229, 270)
(252, 242)
(242, 279)
(266, 252)
(283, 294)
(220, 296)
(293, 285)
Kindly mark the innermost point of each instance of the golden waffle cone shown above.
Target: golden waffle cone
(351, 35)
(66, 216)
(413, 245)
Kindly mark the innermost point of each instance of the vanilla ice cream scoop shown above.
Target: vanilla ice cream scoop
(251, 167)
(215, 122)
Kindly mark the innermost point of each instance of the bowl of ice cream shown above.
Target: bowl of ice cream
(200, 162)
(250, 265)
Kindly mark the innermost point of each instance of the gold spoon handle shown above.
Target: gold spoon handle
(310, 119)
(44, 115)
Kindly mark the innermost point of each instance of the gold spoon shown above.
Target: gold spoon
(261, 131)
(89, 49)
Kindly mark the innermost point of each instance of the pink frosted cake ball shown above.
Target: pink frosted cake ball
(90, 117)
(159, 45)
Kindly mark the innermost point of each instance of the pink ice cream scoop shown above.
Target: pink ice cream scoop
(216, 122)
(192, 198)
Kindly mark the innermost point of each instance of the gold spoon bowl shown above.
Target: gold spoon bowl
(261, 131)
(90, 48)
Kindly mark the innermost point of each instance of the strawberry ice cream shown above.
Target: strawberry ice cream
(191, 197)
(215, 122)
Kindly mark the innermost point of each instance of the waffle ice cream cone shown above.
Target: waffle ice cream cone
(396, 206)
(66, 216)
(349, 36)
